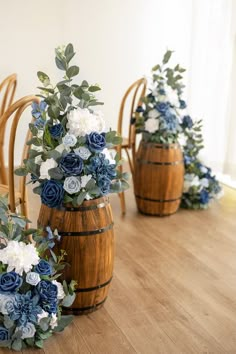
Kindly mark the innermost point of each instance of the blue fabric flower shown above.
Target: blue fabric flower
(43, 268)
(39, 123)
(139, 109)
(204, 196)
(52, 193)
(187, 122)
(25, 308)
(48, 295)
(104, 184)
(187, 160)
(162, 107)
(182, 104)
(56, 130)
(100, 166)
(96, 142)
(10, 282)
(4, 334)
(37, 109)
(71, 164)
(169, 122)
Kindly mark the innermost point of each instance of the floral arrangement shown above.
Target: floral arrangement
(31, 297)
(160, 116)
(200, 185)
(69, 156)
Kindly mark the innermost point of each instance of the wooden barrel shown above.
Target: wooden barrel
(87, 236)
(158, 178)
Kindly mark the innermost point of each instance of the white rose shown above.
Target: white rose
(83, 152)
(72, 185)
(182, 139)
(45, 166)
(6, 304)
(69, 140)
(172, 96)
(19, 256)
(100, 122)
(32, 278)
(53, 322)
(153, 113)
(42, 315)
(60, 291)
(151, 125)
(84, 180)
(204, 182)
(28, 330)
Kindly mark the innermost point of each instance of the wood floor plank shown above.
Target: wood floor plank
(174, 285)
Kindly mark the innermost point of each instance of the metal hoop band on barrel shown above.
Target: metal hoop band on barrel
(158, 200)
(87, 233)
(146, 162)
(81, 309)
(84, 290)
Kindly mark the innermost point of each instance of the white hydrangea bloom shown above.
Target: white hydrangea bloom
(72, 185)
(53, 323)
(45, 166)
(81, 122)
(172, 96)
(19, 256)
(32, 278)
(153, 113)
(182, 139)
(152, 125)
(203, 169)
(60, 292)
(84, 180)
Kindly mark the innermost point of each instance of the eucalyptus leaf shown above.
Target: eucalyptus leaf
(72, 71)
(64, 322)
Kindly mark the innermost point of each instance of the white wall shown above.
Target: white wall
(117, 41)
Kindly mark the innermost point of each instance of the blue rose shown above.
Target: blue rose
(52, 193)
(182, 104)
(104, 184)
(162, 107)
(56, 130)
(10, 282)
(48, 295)
(139, 109)
(71, 164)
(43, 268)
(204, 196)
(187, 122)
(96, 142)
(4, 334)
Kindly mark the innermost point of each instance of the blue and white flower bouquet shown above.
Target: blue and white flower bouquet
(31, 297)
(200, 184)
(69, 157)
(160, 116)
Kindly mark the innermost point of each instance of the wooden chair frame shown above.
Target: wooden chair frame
(17, 109)
(138, 88)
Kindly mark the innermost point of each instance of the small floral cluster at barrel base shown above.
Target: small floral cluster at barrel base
(70, 157)
(31, 297)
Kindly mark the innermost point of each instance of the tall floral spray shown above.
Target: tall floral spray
(69, 159)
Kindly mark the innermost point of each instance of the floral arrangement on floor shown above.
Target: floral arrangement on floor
(200, 184)
(30, 294)
(69, 156)
(160, 116)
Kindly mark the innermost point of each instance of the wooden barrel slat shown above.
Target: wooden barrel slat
(158, 180)
(90, 256)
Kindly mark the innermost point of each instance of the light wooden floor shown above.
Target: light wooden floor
(174, 286)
